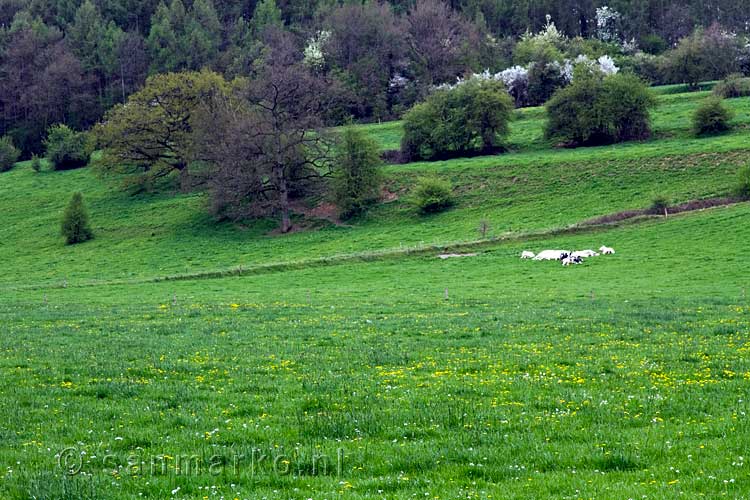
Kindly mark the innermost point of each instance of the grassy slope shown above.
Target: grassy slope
(622, 378)
(532, 188)
(640, 391)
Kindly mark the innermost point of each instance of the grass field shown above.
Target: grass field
(399, 376)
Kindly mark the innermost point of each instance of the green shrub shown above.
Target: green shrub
(8, 154)
(597, 109)
(742, 189)
(545, 77)
(711, 117)
(65, 148)
(357, 181)
(653, 44)
(659, 205)
(36, 163)
(467, 119)
(75, 223)
(432, 195)
(735, 85)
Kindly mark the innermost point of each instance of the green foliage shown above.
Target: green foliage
(711, 117)
(653, 44)
(469, 118)
(357, 177)
(75, 223)
(659, 204)
(36, 163)
(432, 195)
(597, 110)
(545, 78)
(735, 85)
(266, 14)
(742, 188)
(66, 149)
(704, 55)
(9, 154)
(150, 137)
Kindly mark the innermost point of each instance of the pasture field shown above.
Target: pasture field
(344, 364)
(623, 378)
(532, 189)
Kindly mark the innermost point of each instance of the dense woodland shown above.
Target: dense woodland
(67, 61)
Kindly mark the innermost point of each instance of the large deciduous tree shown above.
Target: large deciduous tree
(150, 136)
(266, 144)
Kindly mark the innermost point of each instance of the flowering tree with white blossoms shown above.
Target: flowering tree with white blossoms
(607, 21)
(314, 53)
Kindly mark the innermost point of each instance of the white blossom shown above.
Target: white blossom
(607, 65)
(607, 20)
(314, 51)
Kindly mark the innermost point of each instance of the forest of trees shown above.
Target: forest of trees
(69, 61)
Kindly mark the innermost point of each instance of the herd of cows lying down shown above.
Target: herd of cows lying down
(567, 257)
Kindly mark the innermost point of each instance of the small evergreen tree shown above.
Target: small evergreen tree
(36, 163)
(8, 154)
(75, 223)
(266, 14)
(711, 117)
(357, 181)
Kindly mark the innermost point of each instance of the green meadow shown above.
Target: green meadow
(176, 357)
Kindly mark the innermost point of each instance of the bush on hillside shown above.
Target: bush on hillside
(545, 77)
(432, 195)
(8, 154)
(65, 148)
(659, 205)
(711, 117)
(75, 223)
(469, 118)
(735, 85)
(36, 163)
(742, 189)
(357, 180)
(598, 109)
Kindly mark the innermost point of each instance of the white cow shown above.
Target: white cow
(606, 250)
(527, 255)
(585, 253)
(551, 254)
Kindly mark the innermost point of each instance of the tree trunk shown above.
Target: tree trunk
(286, 223)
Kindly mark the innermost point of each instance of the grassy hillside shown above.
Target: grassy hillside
(533, 188)
(621, 378)
(481, 377)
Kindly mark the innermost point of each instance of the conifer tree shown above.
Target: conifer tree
(75, 223)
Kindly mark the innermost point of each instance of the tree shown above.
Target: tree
(75, 222)
(366, 44)
(8, 154)
(150, 137)
(599, 109)
(470, 118)
(203, 35)
(41, 82)
(266, 14)
(266, 144)
(165, 39)
(443, 44)
(685, 63)
(357, 178)
(65, 148)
